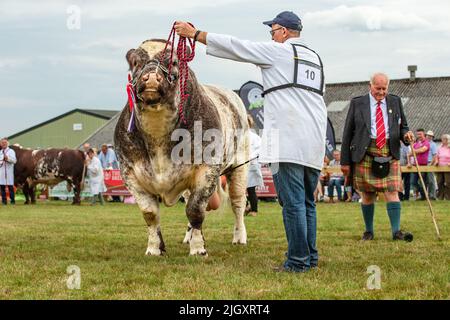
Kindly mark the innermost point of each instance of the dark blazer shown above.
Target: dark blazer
(356, 138)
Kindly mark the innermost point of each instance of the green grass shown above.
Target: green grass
(38, 243)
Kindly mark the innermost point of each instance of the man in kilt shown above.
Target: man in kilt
(374, 126)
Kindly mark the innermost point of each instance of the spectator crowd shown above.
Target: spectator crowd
(334, 187)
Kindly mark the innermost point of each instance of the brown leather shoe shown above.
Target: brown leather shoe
(367, 236)
(405, 236)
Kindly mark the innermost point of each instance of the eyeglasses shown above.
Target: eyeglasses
(272, 32)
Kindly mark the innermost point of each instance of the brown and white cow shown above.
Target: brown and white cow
(149, 155)
(50, 167)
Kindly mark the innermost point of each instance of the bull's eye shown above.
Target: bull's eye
(174, 63)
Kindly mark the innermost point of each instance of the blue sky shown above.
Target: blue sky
(47, 69)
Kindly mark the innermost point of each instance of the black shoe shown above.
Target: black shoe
(282, 268)
(367, 236)
(406, 236)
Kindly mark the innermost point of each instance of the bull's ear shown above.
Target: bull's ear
(132, 58)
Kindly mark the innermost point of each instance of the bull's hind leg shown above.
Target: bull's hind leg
(149, 206)
(237, 182)
(188, 233)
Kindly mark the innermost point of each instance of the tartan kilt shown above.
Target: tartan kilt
(365, 181)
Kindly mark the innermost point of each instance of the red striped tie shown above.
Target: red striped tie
(381, 132)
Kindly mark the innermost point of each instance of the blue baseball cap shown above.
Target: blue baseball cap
(287, 19)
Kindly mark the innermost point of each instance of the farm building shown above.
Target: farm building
(66, 130)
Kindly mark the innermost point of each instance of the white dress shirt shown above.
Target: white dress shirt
(295, 120)
(373, 117)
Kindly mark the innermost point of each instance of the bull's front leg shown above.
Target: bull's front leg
(195, 211)
(76, 183)
(26, 192)
(196, 208)
(149, 206)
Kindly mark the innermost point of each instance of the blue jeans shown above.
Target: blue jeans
(418, 184)
(338, 184)
(295, 185)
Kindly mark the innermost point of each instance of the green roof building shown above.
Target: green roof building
(67, 130)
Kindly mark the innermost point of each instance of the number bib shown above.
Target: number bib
(307, 74)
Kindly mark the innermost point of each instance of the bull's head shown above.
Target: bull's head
(155, 87)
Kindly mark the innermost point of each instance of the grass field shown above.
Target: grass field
(38, 243)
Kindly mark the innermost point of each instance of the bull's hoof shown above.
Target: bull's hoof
(154, 252)
(197, 243)
(199, 252)
(26, 203)
(239, 237)
(76, 203)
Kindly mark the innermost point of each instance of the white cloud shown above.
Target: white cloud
(12, 63)
(366, 18)
(18, 103)
(97, 9)
(102, 44)
(82, 62)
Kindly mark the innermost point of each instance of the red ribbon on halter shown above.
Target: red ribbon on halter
(183, 59)
(131, 102)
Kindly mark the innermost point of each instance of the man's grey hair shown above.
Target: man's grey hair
(379, 74)
(294, 32)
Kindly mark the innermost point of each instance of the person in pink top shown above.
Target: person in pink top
(443, 160)
(422, 148)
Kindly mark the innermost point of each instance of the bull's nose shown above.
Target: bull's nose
(152, 79)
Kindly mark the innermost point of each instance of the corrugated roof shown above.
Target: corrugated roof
(104, 114)
(426, 102)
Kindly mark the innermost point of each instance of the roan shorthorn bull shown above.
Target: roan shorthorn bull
(164, 153)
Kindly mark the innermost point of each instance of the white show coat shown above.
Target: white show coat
(95, 175)
(7, 167)
(295, 120)
(254, 171)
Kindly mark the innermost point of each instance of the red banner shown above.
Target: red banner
(114, 184)
(268, 190)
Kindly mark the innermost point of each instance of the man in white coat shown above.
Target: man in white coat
(7, 161)
(96, 178)
(295, 120)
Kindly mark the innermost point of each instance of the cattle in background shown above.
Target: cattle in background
(145, 153)
(50, 167)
